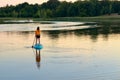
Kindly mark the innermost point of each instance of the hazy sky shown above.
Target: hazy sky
(14, 2)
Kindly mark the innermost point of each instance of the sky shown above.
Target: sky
(15, 2)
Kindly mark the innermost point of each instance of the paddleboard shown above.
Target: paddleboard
(37, 46)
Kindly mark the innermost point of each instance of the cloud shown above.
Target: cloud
(15, 2)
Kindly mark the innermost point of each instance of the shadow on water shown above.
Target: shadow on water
(56, 34)
(94, 32)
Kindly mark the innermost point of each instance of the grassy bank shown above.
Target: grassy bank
(99, 19)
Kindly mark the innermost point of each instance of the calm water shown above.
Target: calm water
(69, 53)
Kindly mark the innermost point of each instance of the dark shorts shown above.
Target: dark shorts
(37, 36)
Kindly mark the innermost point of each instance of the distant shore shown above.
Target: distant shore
(109, 19)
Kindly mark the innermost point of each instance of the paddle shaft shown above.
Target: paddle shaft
(33, 42)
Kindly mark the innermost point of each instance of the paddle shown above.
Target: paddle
(33, 42)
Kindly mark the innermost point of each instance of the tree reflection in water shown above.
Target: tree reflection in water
(93, 32)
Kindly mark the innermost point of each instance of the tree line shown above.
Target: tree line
(55, 8)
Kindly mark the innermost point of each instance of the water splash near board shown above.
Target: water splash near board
(37, 46)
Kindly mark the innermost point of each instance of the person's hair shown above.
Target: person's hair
(37, 28)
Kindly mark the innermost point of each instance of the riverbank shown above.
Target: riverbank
(100, 19)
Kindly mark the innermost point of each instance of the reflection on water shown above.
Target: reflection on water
(37, 58)
(31, 26)
(104, 30)
(84, 54)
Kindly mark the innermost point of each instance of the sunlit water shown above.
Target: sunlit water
(66, 55)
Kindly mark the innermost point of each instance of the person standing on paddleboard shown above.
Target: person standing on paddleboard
(37, 35)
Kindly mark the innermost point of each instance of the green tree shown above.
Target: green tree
(55, 8)
(72, 10)
(14, 14)
(61, 10)
(38, 14)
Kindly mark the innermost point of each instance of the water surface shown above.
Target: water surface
(87, 54)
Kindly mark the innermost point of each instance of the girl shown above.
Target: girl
(37, 35)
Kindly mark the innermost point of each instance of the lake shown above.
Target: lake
(71, 51)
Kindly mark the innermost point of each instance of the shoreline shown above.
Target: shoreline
(99, 19)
